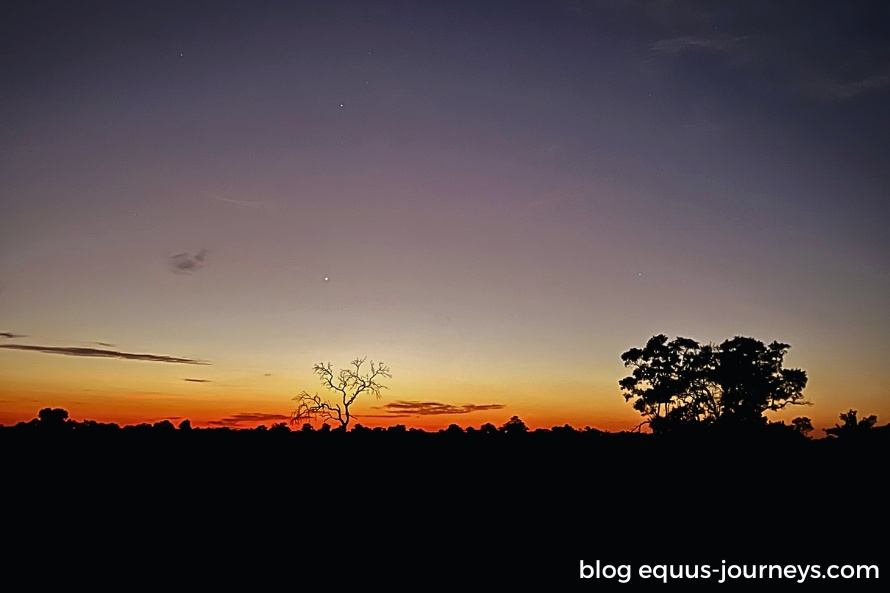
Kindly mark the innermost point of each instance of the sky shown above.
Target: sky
(199, 201)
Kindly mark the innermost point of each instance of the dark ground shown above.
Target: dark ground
(291, 508)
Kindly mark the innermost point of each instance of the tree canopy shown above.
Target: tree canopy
(852, 427)
(681, 383)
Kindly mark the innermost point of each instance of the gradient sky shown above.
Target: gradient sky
(496, 199)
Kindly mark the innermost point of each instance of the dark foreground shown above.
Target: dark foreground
(302, 509)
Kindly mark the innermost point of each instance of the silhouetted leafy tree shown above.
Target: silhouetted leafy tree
(348, 384)
(669, 380)
(359, 429)
(803, 425)
(53, 419)
(488, 428)
(563, 431)
(279, 428)
(514, 426)
(682, 383)
(751, 379)
(453, 430)
(851, 427)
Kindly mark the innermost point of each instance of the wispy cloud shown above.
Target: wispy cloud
(183, 263)
(677, 45)
(97, 353)
(830, 90)
(245, 203)
(11, 335)
(198, 380)
(244, 417)
(401, 409)
(813, 53)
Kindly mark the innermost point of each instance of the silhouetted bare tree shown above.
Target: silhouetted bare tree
(348, 384)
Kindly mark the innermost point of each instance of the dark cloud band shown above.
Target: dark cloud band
(402, 409)
(98, 353)
(243, 417)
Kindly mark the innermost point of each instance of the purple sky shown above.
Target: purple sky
(495, 198)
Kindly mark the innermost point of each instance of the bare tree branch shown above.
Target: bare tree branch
(348, 383)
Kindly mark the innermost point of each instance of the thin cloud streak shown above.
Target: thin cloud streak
(12, 335)
(833, 91)
(402, 409)
(97, 353)
(681, 44)
(242, 417)
(245, 203)
(198, 380)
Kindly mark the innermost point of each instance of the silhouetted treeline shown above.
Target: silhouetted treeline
(492, 505)
(756, 450)
(55, 422)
